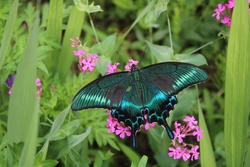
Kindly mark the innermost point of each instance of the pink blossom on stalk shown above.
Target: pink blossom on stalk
(195, 153)
(79, 52)
(122, 131)
(88, 64)
(218, 11)
(185, 154)
(130, 63)
(198, 133)
(38, 82)
(191, 121)
(75, 43)
(147, 125)
(112, 123)
(178, 135)
(230, 4)
(227, 21)
(175, 152)
(112, 68)
(181, 149)
(115, 127)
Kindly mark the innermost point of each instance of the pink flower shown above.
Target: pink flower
(175, 152)
(80, 52)
(227, 21)
(218, 11)
(112, 123)
(75, 43)
(39, 92)
(10, 91)
(185, 154)
(198, 133)
(181, 149)
(88, 64)
(112, 68)
(191, 121)
(147, 125)
(38, 82)
(131, 62)
(177, 134)
(230, 4)
(122, 131)
(94, 57)
(195, 153)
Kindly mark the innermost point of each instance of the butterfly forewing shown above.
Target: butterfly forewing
(105, 92)
(172, 77)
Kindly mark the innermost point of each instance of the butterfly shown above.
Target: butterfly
(132, 95)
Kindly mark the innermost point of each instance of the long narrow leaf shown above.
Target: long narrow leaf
(237, 88)
(73, 29)
(206, 149)
(54, 29)
(8, 30)
(23, 110)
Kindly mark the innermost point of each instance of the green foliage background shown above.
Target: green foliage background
(43, 131)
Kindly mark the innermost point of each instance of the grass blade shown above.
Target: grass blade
(237, 88)
(8, 30)
(23, 109)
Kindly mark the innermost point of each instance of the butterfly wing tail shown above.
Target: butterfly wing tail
(133, 138)
(169, 131)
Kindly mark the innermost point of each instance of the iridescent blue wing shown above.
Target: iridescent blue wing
(105, 92)
(172, 77)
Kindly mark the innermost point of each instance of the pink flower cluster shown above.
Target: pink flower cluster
(113, 68)
(119, 129)
(87, 61)
(183, 150)
(225, 11)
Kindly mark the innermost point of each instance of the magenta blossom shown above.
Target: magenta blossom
(88, 64)
(112, 68)
(130, 63)
(122, 131)
(180, 148)
(225, 11)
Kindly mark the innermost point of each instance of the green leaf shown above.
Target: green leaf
(196, 59)
(128, 4)
(8, 31)
(131, 154)
(54, 128)
(87, 8)
(73, 29)
(206, 149)
(237, 87)
(161, 53)
(108, 45)
(102, 67)
(72, 141)
(23, 110)
(143, 161)
(139, 17)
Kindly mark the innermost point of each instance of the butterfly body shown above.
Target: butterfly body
(148, 92)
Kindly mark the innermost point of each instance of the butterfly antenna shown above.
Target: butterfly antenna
(143, 53)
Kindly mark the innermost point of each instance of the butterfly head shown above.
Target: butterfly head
(134, 68)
